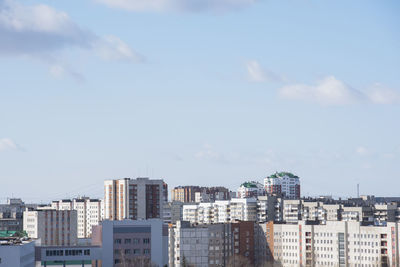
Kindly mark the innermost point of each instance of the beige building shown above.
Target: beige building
(338, 243)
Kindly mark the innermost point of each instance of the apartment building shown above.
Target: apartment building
(338, 243)
(88, 213)
(172, 211)
(132, 242)
(211, 245)
(140, 198)
(52, 227)
(223, 211)
(283, 184)
(11, 215)
(197, 194)
(250, 189)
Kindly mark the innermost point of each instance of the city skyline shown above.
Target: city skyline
(209, 94)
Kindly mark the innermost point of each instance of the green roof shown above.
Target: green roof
(249, 185)
(7, 233)
(281, 174)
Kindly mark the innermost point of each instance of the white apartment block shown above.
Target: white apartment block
(337, 243)
(52, 227)
(251, 189)
(88, 213)
(283, 183)
(222, 211)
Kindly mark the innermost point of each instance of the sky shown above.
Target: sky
(198, 92)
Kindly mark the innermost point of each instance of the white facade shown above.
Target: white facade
(251, 189)
(221, 211)
(283, 183)
(52, 227)
(88, 213)
(336, 244)
(18, 255)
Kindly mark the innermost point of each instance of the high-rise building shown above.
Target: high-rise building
(283, 184)
(11, 215)
(200, 194)
(52, 227)
(251, 189)
(89, 213)
(140, 198)
(222, 244)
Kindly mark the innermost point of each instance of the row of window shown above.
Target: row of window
(135, 251)
(68, 252)
(132, 241)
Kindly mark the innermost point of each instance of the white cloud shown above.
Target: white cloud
(328, 91)
(40, 32)
(258, 74)
(60, 71)
(208, 153)
(8, 144)
(362, 151)
(381, 95)
(179, 5)
(112, 48)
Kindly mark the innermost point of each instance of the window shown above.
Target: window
(146, 251)
(127, 251)
(146, 240)
(117, 241)
(127, 241)
(136, 241)
(136, 251)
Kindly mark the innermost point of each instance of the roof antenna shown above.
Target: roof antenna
(358, 190)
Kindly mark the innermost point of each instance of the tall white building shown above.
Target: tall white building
(88, 213)
(222, 211)
(251, 189)
(52, 227)
(283, 183)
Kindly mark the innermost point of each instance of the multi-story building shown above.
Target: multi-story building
(52, 227)
(11, 215)
(222, 211)
(211, 245)
(140, 198)
(132, 242)
(188, 194)
(250, 189)
(337, 243)
(88, 213)
(283, 184)
(172, 211)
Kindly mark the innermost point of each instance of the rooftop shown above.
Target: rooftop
(282, 174)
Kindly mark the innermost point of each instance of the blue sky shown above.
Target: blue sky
(198, 92)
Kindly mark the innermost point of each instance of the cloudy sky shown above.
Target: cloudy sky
(208, 92)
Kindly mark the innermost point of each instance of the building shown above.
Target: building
(172, 211)
(140, 198)
(132, 243)
(222, 211)
(250, 189)
(11, 215)
(52, 227)
(338, 243)
(16, 251)
(82, 256)
(191, 193)
(283, 184)
(88, 213)
(211, 245)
